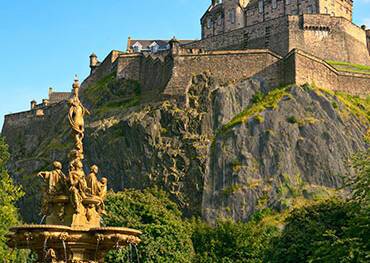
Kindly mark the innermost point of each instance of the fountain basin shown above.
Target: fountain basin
(55, 243)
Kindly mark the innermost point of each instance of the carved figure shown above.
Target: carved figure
(77, 184)
(103, 188)
(51, 256)
(76, 117)
(55, 179)
(93, 183)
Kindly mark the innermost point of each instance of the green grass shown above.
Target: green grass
(228, 191)
(348, 67)
(259, 104)
(358, 106)
(110, 95)
(98, 89)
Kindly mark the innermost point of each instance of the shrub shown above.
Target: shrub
(166, 236)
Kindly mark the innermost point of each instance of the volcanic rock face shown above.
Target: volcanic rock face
(227, 151)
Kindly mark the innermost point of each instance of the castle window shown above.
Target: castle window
(232, 16)
(209, 22)
(309, 10)
(274, 4)
(219, 20)
(260, 6)
(326, 10)
(137, 47)
(154, 47)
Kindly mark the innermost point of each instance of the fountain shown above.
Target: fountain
(72, 208)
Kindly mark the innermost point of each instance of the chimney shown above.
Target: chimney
(175, 46)
(128, 49)
(50, 91)
(93, 61)
(33, 104)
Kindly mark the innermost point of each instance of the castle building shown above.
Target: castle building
(322, 28)
(150, 46)
(227, 15)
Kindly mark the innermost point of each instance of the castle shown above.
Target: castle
(322, 28)
(278, 42)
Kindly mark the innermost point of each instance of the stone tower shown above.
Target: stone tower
(234, 14)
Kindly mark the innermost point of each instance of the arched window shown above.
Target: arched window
(274, 4)
(326, 10)
(219, 20)
(260, 6)
(232, 16)
(209, 22)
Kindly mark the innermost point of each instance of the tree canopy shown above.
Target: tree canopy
(9, 194)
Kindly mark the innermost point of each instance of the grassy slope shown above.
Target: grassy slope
(345, 66)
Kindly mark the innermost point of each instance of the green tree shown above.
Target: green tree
(9, 194)
(305, 228)
(333, 230)
(354, 244)
(232, 242)
(166, 236)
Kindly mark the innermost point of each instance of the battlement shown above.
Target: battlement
(40, 113)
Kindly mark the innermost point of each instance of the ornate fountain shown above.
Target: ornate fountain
(72, 208)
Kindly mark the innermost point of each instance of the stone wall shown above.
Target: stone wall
(227, 66)
(368, 40)
(26, 118)
(327, 37)
(151, 70)
(253, 37)
(312, 70)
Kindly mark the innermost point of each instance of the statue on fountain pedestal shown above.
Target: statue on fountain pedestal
(73, 206)
(55, 179)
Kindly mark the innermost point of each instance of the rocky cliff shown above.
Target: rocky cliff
(229, 149)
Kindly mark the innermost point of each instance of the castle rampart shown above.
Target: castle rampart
(305, 68)
(25, 118)
(225, 65)
(172, 73)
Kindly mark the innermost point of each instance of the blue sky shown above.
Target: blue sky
(44, 43)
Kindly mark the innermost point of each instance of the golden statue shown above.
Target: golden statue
(82, 198)
(93, 183)
(54, 178)
(76, 117)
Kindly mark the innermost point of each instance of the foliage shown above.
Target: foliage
(330, 231)
(304, 229)
(166, 236)
(9, 194)
(354, 244)
(232, 242)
